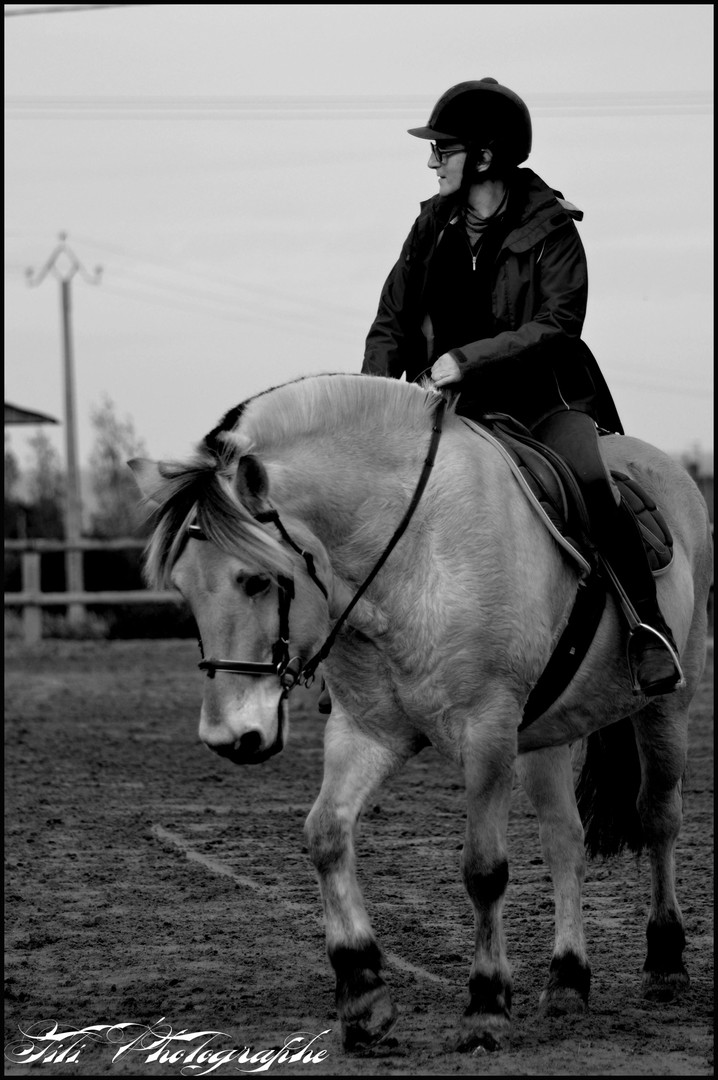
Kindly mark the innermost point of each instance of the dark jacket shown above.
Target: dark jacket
(534, 362)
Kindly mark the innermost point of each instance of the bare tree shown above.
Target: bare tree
(45, 488)
(116, 511)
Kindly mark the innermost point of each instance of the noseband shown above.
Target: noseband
(292, 670)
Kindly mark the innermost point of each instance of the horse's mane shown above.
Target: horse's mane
(202, 490)
(326, 404)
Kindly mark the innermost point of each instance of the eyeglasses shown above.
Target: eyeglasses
(442, 153)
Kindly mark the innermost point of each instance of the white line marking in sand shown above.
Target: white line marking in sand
(165, 836)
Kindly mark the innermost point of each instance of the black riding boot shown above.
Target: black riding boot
(652, 652)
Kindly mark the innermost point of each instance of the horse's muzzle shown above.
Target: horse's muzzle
(249, 748)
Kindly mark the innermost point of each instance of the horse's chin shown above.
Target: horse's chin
(238, 757)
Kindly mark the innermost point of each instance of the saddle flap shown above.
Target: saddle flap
(657, 537)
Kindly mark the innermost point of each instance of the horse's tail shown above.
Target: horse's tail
(607, 790)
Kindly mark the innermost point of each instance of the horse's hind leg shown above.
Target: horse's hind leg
(547, 779)
(354, 765)
(661, 737)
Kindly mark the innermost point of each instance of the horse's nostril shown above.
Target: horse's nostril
(249, 743)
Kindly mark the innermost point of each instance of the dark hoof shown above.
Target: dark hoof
(483, 1033)
(561, 1001)
(567, 988)
(664, 986)
(369, 1020)
(478, 1044)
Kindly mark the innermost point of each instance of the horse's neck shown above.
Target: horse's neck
(350, 491)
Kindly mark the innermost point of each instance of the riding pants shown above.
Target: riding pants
(615, 531)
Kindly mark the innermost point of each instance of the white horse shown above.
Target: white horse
(298, 493)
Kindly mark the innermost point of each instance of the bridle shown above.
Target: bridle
(292, 670)
(287, 669)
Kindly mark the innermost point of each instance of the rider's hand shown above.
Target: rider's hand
(446, 371)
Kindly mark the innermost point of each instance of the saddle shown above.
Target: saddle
(551, 487)
(552, 482)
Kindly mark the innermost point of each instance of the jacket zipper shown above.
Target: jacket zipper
(471, 252)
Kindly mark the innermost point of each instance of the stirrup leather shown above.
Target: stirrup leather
(633, 657)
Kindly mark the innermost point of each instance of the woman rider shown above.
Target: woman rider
(491, 288)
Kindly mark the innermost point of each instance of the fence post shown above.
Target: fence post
(30, 583)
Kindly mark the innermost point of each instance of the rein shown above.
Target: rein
(294, 670)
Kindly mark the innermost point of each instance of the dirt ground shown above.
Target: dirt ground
(148, 880)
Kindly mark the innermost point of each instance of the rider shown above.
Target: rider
(490, 288)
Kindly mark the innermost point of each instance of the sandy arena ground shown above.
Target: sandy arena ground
(148, 879)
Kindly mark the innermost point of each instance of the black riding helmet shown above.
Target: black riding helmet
(482, 113)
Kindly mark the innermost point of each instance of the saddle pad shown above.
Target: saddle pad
(560, 503)
(552, 509)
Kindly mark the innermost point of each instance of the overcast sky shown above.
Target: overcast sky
(243, 175)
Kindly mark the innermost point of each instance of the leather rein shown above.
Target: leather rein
(292, 670)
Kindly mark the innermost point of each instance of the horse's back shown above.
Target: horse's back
(673, 490)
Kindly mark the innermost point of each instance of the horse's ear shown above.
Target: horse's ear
(148, 477)
(252, 483)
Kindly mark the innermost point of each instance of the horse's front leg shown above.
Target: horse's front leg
(354, 766)
(488, 754)
(547, 779)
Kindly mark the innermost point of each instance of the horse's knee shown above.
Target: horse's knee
(326, 838)
(485, 886)
(661, 814)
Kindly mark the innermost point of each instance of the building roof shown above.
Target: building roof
(15, 415)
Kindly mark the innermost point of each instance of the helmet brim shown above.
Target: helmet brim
(431, 133)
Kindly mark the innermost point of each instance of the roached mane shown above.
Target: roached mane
(203, 491)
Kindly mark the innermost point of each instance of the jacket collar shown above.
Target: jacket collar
(543, 210)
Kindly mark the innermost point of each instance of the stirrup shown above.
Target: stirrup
(665, 686)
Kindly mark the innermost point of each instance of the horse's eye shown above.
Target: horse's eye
(256, 584)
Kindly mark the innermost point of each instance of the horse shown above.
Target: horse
(333, 523)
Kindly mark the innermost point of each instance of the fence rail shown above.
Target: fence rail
(42, 545)
(32, 599)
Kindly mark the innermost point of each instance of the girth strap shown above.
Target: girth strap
(570, 650)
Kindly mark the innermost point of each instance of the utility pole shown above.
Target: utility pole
(64, 265)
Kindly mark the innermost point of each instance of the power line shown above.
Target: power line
(54, 9)
(360, 107)
(265, 306)
(225, 290)
(318, 331)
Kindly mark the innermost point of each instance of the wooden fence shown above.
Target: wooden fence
(32, 600)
